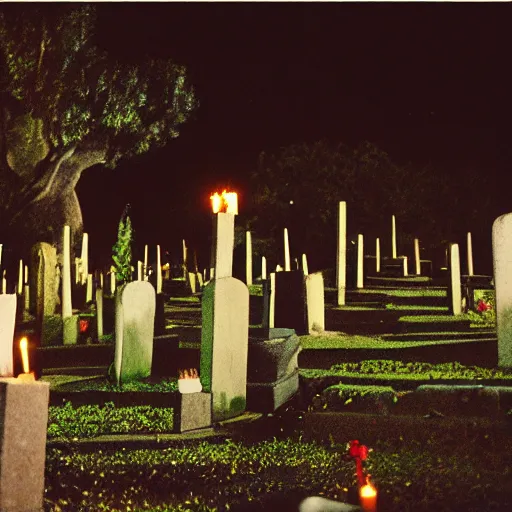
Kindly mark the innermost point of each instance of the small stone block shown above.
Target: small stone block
(195, 411)
(23, 425)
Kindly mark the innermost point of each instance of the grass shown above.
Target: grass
(184, 299)
(432, 318)
(405, 293)
(406, 307)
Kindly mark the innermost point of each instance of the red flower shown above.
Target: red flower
(482, 306)
(84, 326)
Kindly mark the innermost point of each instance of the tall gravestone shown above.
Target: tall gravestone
(248, 258)
(455, 292)
(502, 266)
(315, 302)
(287, 261)
(225, 328)
(360, 262)
(7, 322)
(134, 331)
(341, 255)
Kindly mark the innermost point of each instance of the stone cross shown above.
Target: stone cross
(360, 262)
(502, 265)
(341, 258)
(470, 255)
(287, 263)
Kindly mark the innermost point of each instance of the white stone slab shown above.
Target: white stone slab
(502, 263)
(7, 322)
(224, 345)
(470, 255)
(223, 243)
(315, 302)
(455, 284)
(134, 331)
(417, 260)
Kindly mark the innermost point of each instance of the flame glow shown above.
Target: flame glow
(368, 491)
(227, 202)
(24, 355)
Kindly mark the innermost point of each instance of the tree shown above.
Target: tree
(122, 250)
(65, 107)
(300, 188)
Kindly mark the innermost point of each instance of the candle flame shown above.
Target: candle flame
(368, 491)
(24, 355)
(227, 202)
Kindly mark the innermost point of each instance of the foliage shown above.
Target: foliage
(168, 385)
(122, 250)
(74, 94)
(256, 290)
(485, 310)
(92, 420)
(448, 474)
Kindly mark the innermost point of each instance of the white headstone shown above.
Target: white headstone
(200, 281)
(502, 264)
(360, 262)
(305, 268)
(20, 278)
(84, 257)
(184, 254)
(263, 268)
(158, 270)
(99, 311)
(341, 256)
(456, 295)
(287, 263)
(135, 319)
(146, 272)
(417, 260)
(1, 246)
(192, 282)
(26, 297)
(113, 282)
(405, 263)
(315, 302)
(377, 255)
(224, 345)
(67, 309)
(139, 270)
(272, 307)
(470, 255)
(393, 236)
(88, 293)
(223, 240)
(7, 321)
(248, 258)
(4, 283)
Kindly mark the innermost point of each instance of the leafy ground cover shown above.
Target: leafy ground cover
(88, 421)
(442, 475)
(77, 383)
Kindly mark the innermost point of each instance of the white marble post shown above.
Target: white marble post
(305, 268)
(184, 254)
(272, 307)
(146, 274)
(99, 311)
(20, 278)
(248, 258)
(417, 256)
(393, 236)
(502, 266)
(158, 270)
(78, 270)
(88, 292)
(84, 257)
(224, 228)
(287, 263)
(405, 263)
(455, 283)
(113, 282)
(101, 280)
(139, 270)
(377, 255)
(4, 283)
(263, 267)
(470, 255)
(1, 245)
(341, 255)
(67, 309)
(360, 262)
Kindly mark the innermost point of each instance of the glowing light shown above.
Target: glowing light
(24, 355)
(368, 497)
(227, 202)
(188, 381)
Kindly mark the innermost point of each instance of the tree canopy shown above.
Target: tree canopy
(66, 106)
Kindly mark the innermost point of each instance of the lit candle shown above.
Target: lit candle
(368, 497)
(26, 375)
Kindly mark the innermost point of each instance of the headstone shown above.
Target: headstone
(287, 264)
(4, 283)
(88, 293)
(146, 270)
(393, 237)
(455, 283)
(417, 260)
(405, 263)
(263, 268)
(470, 255)
(290, 301)
(279, 268)
(184, 254)
(305, 268)
(70, 323)
(502, 264)
(85, 257)
(224, 345)
(20, 278)
(223, 229)
(248, 258)
(134, 330)
(341, 259)
(360, 262)
(7, 322)
(139, 270)
(200, 281)
(315, 302)
(377, 255)
(23, 427)
(158, 270)
(99, 312)
(113, 282)
(192, 282)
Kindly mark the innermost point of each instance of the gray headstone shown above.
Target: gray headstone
(502, 263)
(315, 302)
(7, 321)
(224, 345)
(44, 298)
(134, 330)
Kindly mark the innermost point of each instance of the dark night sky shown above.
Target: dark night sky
(425, 82)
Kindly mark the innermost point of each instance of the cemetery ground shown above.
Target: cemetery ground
(433, 448)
